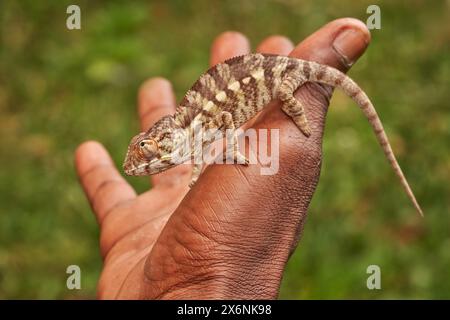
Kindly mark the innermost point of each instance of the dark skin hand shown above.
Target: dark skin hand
(231, 235)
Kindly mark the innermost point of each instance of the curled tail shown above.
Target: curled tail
(336, 78)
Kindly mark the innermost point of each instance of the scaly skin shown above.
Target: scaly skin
(232, 93)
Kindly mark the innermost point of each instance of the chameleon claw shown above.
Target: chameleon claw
(192, 182)
(306, 131)
(196, 171)
(241, 159)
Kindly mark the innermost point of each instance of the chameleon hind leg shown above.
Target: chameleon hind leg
(291, 106)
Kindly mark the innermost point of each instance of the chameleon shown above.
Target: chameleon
(230, 94)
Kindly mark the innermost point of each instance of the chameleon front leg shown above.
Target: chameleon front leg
(196, 171)
(291, 106)
(226, 121)
(222, 122)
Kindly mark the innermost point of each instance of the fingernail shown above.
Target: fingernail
(349, 46)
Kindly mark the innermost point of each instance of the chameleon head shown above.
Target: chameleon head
(153, 151)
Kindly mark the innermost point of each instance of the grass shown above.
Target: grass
(60, 87)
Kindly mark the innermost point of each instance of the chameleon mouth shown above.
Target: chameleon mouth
(136, 170)
(156, 165)
(145, 169)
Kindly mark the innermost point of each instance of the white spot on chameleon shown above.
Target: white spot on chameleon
(277, 70)
(258, 74)
(279, 66)
(221, 96)
(246, 80)
(235, 86)
(223, 70)
(209, 106)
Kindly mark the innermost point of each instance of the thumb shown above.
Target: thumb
(338, 44)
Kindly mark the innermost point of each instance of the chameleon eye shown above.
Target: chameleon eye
(148, 147)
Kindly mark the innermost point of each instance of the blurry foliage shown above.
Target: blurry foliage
(60, 87)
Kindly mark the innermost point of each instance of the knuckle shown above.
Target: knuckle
(104, 185)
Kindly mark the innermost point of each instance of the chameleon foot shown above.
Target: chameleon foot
(196, 171)
(192, 182)
(294, 109)
(241, 159)
(291, 106)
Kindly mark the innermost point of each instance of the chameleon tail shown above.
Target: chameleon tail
(336, 78)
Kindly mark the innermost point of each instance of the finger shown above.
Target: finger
(338, 44)
(276, 45)
(227, 45)
(105, 188)
(148, 208)
(156, 100)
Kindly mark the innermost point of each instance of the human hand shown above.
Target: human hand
(231, 235)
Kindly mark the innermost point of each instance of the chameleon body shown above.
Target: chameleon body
(233, 92)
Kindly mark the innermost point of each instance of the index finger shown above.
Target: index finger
(105, 188)
(227, 45)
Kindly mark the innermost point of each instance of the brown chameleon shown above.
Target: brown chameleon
(230, 94)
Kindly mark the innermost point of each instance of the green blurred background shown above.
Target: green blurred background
(60, 87)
